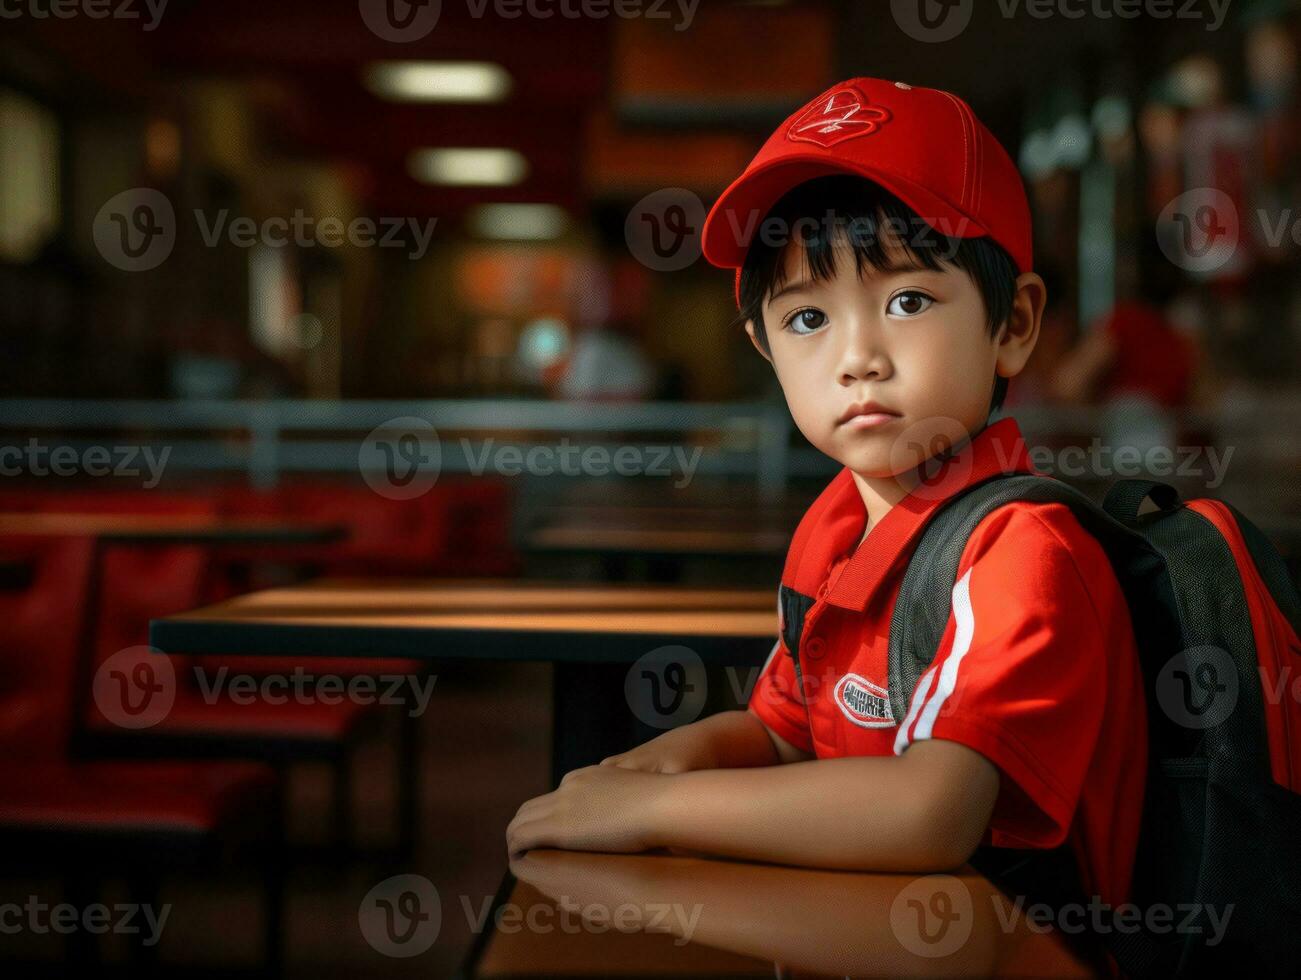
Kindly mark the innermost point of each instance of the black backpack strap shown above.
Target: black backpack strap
(920, 615)
(1126, 496)
(923, 607)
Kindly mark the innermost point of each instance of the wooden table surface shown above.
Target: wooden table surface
(655, 915)
(556, 622)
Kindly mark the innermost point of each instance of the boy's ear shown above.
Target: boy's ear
(754, 339)
(1021, 332)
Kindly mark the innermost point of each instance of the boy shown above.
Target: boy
(882, 244)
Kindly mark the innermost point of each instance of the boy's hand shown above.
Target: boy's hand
(599, 808)
(678, 750)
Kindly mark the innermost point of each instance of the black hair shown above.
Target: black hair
(818, 210)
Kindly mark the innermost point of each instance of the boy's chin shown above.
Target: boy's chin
(870, 464)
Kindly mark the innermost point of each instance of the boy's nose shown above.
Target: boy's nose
(863, 357)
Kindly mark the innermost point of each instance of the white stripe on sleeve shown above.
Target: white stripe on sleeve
(948, 675)
(919, 698)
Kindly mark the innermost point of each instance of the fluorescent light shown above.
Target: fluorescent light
(518, 222)
(468, 166)
(438, 81)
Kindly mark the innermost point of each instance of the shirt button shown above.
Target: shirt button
(815, 646)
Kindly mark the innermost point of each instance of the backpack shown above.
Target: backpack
(1216, 620)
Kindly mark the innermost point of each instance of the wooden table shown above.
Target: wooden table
(591, 634)
(655, 915)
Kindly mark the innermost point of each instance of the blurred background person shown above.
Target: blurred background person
(606, 362)
(1135, 364)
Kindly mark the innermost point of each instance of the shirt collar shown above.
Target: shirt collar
(835, 521)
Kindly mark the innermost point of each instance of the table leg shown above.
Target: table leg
(83, 953)
(591, 718)
(83, 674)
(408, 781)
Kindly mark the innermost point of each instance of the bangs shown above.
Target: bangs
(828, 216)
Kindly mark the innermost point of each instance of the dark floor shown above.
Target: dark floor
(486, 749)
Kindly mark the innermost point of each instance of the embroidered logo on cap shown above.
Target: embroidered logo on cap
(863, 702)
(836, 117)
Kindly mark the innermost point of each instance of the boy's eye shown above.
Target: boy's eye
(909, 303)
(806, 321)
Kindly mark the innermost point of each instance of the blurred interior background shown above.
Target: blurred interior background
(503, 164)
(255, 240)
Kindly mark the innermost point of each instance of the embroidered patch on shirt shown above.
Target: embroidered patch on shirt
(863, 702)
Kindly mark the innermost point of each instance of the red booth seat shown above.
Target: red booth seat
(130, 797)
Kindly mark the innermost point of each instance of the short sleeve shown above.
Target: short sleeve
(1022, 669)
(776, 699)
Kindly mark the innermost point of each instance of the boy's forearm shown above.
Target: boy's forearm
(735, 740)
(879, 813)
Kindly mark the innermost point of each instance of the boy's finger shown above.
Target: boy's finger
(527, 807)
(529, 813)
(513, 838)
(526, 837)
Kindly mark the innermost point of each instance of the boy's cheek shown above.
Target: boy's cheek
(811, 413)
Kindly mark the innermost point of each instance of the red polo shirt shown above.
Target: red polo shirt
(1036, 670)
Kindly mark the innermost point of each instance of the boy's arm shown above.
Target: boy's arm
(1021, 702)
(727, 740)
(925, 810)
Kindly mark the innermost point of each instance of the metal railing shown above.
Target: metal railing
(265, 440)
(268, 439)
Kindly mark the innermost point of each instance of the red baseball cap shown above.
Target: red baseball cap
(923, 145)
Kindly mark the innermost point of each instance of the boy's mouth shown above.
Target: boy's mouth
(866, 415)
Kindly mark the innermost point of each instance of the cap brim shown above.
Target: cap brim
(734, 220)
